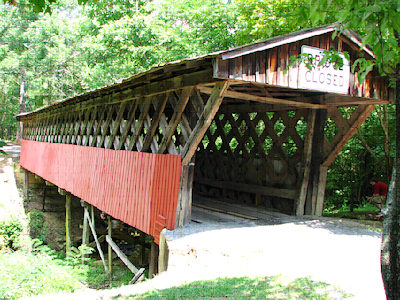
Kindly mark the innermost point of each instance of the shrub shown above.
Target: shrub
(38, 227)
(10, 233)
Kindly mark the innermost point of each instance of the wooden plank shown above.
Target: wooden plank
(121, 255)
(163, 253)
(153, 260)
(175, 119)
(210, 109)
(145, 90)
(131, 119)
(93, 230)
(250, 188)
(67, 224)
(329, 157)
(307, 155)
(109, 233)
(269, 100)
(117, 121)
(98, 127)
(343, 100)
(319, 208)
(105, 126)
(144, 110)
(160, 106)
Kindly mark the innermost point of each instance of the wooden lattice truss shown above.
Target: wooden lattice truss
(260, 142)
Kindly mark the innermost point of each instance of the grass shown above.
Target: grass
(247, 288)
(43, 271)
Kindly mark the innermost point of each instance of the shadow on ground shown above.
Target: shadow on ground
(272, 287)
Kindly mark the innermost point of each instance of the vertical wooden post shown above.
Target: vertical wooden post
(26, 185)
(85, 229)
(316, 162)
(153, 264)
(184, 207)
(67, 223)
(44, 198)
(142, 249)
(163, 254)
(307, 155)
(109, 246)
(323, 171)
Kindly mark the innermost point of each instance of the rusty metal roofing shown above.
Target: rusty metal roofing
(140, 189)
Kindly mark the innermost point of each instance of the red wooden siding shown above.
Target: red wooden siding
(140, 189)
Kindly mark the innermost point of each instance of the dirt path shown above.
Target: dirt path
(329, 251)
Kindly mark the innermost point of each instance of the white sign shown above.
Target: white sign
(324, 78)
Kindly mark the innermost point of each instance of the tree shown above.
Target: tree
(379, 26)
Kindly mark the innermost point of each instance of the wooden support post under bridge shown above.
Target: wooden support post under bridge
(67, 223)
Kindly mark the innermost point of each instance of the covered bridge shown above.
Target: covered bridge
(238, 126)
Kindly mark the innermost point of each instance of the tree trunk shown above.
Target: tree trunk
(390, 253)
(22, 102)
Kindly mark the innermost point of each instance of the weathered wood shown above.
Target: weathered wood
(93, 230)
(121, 255)
(85, 226)
(127, 128)
(319, 207)
(144, 107)
(117, 121)
(105, 126)
(184, 207)
(163, 254)
(250, 188)
(98, 127)
(101, 239)
(153, 263)
(175, 119)
(210, 109)
(68, 223)
(269, 100)
(344, 100)
(316, 161)
(307, 155)
(62, 191)
(329, 157)
(109, 233)
(26, 185)
(160, 106)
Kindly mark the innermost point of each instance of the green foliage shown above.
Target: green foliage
(26, 274)
(38, 227)
(247, 288)
(10, 233)
(2, 144)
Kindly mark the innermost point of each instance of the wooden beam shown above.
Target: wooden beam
(92, 228)
(117, 121)
(26, 185)
(163, 254)
(138, 273)
(109, 231)
(121, 255)
(210, 109)
(347, 136)
(319, 208)
(153, 263)
(144, 110)
(269, 100)
(127, 128)
(129, 93)
(307, 155)
(344, 100)
(250, 188)
(155, 121)
(175, 119)
(67, 223)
